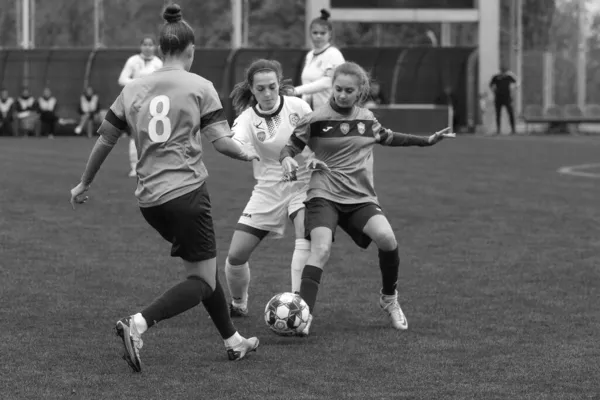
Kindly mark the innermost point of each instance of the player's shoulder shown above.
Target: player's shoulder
(136, 58)
(364, 113)
(198, 83)
(296, 103)
(333, 51)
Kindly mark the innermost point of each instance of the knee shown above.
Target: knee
(321, 251)
(385, 240)
(237, 258)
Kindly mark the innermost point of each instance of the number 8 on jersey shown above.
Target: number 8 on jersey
(159, 116)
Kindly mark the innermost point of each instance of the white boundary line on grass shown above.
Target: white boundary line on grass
(575, 170)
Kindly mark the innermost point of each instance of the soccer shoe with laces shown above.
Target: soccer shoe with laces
(237, 311)
(304, 332)
(241, 350)
(132, 342)
(389, 303)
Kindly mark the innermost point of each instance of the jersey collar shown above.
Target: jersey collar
(338, 109)
(263, 115)
(321, 51)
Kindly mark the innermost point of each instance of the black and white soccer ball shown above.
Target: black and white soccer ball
(286, 313)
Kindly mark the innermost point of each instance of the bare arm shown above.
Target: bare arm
(229, 147)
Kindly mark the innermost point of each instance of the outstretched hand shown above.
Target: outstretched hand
(77, 194)
(314, 164)
(441, 135)
(250, 155)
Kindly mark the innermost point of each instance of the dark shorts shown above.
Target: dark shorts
(352, 218)
(186, 222)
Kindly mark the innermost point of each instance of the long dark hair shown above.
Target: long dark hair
(241, 95)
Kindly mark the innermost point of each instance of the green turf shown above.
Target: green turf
(499, 280)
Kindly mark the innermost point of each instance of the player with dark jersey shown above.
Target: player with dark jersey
(342, 135)
(166, 112)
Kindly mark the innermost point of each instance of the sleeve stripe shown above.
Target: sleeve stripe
(297, 142)
(115, 121)
(212, 117)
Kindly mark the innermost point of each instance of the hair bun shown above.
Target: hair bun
(325, 14)
(172, 14)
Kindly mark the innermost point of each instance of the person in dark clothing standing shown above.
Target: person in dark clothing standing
(502, 85)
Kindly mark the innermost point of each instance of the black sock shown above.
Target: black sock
(179, 298)
(218, 309)
(389, 261)
(309, 286)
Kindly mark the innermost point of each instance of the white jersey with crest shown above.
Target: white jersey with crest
(316, 66)
(137, 67)
(268, 134)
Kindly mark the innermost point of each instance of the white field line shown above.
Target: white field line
(579, 170)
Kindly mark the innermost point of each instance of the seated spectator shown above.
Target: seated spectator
(88, 107)
(48, 116)
(27, 113)
(375, 97)
(7, 108)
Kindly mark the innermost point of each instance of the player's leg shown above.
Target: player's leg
(301, 253)
(186, 222)
(376, 226)
(237, 270)
(320, 223)
(498, 109)
(511, 116)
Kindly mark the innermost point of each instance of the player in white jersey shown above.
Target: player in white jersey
(138, 65)
(268, 118)
(319, 64)
(167, 112)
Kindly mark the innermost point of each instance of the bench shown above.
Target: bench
(560, 119)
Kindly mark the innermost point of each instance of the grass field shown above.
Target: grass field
(500, 279)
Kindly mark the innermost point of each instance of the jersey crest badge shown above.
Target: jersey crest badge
(345, 128)
(261, 135)
(361, 128)
(294, 118)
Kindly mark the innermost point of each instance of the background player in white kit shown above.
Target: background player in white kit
(319, 64)
(142, 64)
(268, 118)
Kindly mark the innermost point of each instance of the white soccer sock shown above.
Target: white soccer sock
(299, 258)
(233, 341)
(132, 154)
(140, 323)
(238, 281)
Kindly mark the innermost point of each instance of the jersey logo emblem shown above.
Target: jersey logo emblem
(327, 129)
(345, 128)
(258, 125)
(261, 135)
(294, 118)
(361, 128)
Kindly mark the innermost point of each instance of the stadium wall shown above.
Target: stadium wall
(408, 75)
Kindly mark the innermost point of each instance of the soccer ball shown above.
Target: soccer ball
(286, 313)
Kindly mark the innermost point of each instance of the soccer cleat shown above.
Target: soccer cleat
(389, 303)
(237, 311)
(132, 341)
(246, 346)
(304, 332)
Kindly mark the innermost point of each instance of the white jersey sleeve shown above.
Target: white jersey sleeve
(317, 74)
(128, 70)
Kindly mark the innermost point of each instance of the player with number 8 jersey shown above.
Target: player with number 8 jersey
(166, 112)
